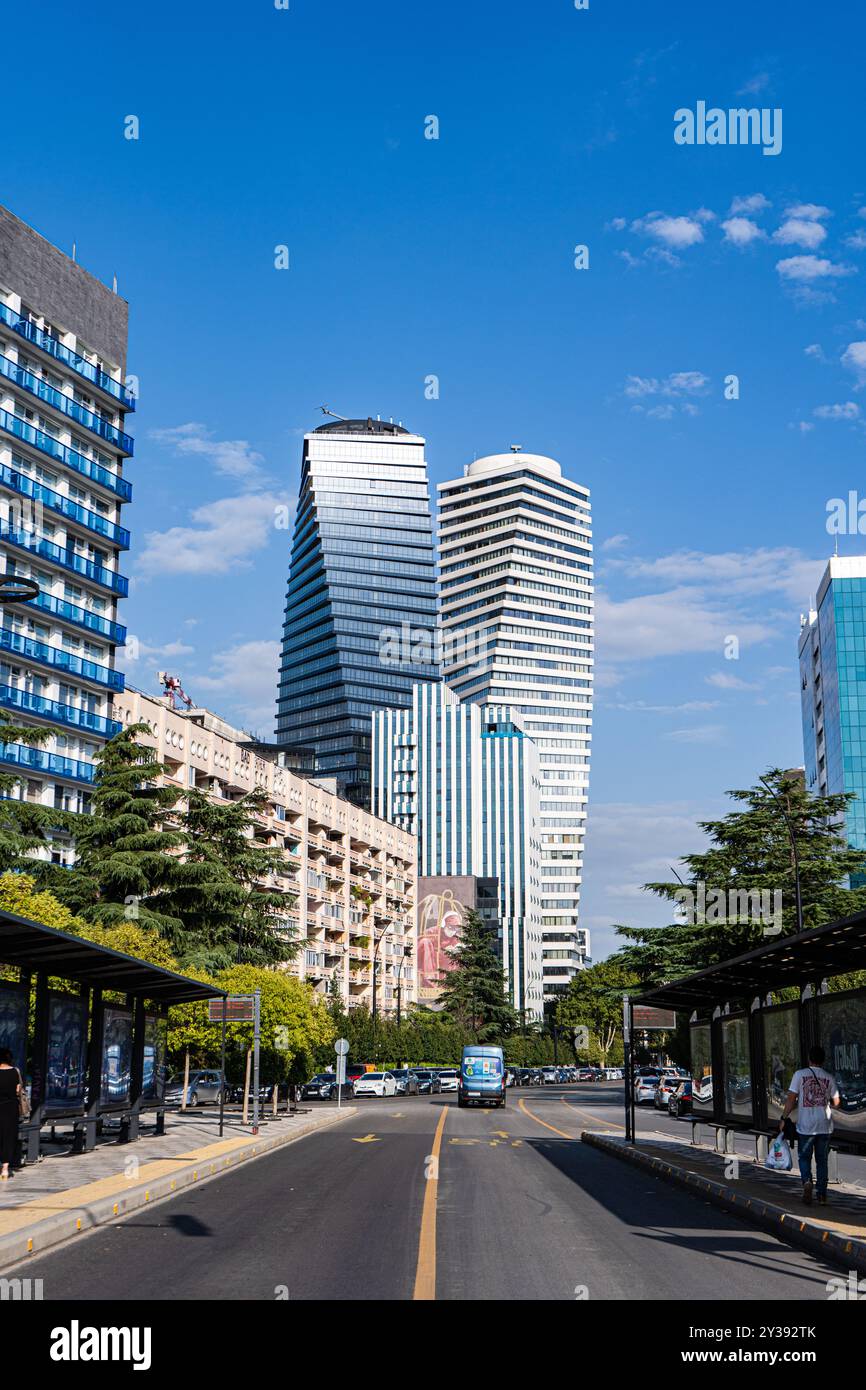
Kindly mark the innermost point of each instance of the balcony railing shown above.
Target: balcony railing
(59, 660)
(64, 506)
(66, 559)
(81, 617)
(61, 453)
(65, 404)
(73, 360)
(56, 713)
(41, 761)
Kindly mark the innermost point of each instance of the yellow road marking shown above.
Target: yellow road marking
(526, 1110)
(367, 1139)
(425, 1272)
(595, 1120)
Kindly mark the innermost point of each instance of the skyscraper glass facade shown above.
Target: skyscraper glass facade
(360, 617)
(833, 689)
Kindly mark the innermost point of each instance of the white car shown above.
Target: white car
(448, 1079)
(645, 1089)
(376, 1083)
(665, 1089)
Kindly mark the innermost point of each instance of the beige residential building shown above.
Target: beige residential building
(351, 874)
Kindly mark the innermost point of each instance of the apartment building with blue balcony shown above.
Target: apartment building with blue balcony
(63, 445)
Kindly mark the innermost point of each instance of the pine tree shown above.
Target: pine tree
(751, 853)
(220, 890)
(473, 992)
(126, 858)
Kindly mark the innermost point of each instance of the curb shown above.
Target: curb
(846, 1251)
(49, 1231)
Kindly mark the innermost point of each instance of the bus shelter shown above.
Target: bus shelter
(88, 1028)
(752, 1020)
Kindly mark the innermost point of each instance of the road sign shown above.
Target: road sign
(239, 1008)
(341, 1047)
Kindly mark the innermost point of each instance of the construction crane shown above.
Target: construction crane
(173, 690)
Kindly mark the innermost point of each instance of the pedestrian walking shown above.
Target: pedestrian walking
(10, 1090)
(814, 1094)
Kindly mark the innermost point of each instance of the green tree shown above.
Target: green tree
(219, 889)
(126, 857)
(25, 826)
(750, 853)
(473, 992)
(594, 1001)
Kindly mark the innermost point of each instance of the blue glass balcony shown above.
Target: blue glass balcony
(73, 360)
(53, 763)
(56, 713)
(79, 617)
(65, 404)
(13, 424)
(92, 521)
(66, 559)
(59, 660)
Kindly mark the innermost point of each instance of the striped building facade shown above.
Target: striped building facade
(465, 779)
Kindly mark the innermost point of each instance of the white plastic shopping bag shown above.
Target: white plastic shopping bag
(779, 1156)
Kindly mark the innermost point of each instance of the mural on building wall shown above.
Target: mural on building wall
(440, 923)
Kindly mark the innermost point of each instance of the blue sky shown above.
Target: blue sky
(454, 257)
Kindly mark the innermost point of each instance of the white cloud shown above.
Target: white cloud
(741, 231)
(846, 411)
(746, 573)
(811, 211)
(723, 680)
(245, 677)
(815, 350)
(854, 358)
(661, 412)
(857, 242)
(615, 542)
(754, 85)
(641, 386)
(675, 384)
(800, 231)
(618, 224)
(689, 382)
(676, 233)
(699, 733)
(804, 269)
(753, 202)
(232, 458)
(223, 537)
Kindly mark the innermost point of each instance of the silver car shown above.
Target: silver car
(204, 1088)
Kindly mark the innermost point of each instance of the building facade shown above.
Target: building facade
(832, 652)
(63, 446)
(464, 779)
(515, 542)
(360, 616)
(349, 879)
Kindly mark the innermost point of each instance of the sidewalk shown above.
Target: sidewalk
(64, 1195)
(760, 1195)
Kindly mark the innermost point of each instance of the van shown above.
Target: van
(482, 1076)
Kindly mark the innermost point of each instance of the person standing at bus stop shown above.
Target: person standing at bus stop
(10, 1089)
(814, 1093)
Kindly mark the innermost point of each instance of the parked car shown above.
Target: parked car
(584, 1074)
(680, 1100)
(550, 1075)
(407, 1082)
(324, 1087)
(354, 1071)
(664, 1090)
(428, 1081)
(449, 1079)
(645, 1089)
(375, 1083)
(203, 1088)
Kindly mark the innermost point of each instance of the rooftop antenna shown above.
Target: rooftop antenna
(325, 411)
(73, 250)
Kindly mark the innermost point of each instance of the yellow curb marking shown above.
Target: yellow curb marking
(425, 1272)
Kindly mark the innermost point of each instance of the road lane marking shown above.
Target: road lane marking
(611, 1124)
(367, 1139)
(525, 1108)
(425, 1271)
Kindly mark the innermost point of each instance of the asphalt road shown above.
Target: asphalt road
(502, 1205)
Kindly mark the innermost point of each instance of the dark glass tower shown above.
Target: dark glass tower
(360, 617)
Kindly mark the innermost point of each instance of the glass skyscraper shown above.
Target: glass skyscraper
(515, 539)
(360, 617)
(832, 652)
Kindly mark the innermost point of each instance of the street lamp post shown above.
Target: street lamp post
(794, 854)
(376, 945)
(407, 955)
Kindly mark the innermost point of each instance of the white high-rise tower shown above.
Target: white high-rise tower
(515, 544)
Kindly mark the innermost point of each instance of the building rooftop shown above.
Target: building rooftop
(368, 426)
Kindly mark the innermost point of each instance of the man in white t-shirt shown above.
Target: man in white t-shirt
(814, 1094)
